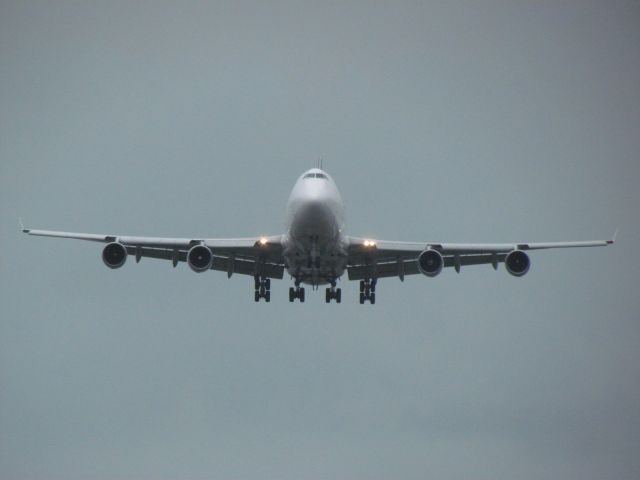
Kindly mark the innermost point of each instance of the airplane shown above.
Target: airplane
(315, 249)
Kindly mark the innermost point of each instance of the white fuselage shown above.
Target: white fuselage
(315, 244)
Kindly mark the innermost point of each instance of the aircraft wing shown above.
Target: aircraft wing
(246, 256)
(384, 258)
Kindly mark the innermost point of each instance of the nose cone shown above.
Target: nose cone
(314, 214)
(317, 195)
(315, 207)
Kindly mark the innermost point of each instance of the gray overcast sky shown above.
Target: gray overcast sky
(440, 121)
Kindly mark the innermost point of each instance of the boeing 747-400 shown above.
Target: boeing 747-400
(315, 250)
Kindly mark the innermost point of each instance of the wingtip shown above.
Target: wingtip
(613, 239)
(24, 230)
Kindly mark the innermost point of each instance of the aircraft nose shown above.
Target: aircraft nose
(314, 216)
(314, 208)
(316, 198)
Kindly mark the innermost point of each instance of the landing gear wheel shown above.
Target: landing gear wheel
(262, 288)
(368, 290)
(296, 292)
(333, 293)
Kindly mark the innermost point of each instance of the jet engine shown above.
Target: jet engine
(517, 263)
(199, 258)
(430, 263)
(114, 255)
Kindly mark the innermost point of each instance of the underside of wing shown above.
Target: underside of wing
(246, 256)
(384, 258)
(403, 267)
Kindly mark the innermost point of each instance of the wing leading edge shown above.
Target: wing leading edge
(385, 258)
(247, 256)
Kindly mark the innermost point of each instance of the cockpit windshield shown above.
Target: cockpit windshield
(315, 175)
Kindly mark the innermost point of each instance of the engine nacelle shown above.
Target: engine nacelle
(430, 263)
(114, 255)
(199, 258)
(517, 263)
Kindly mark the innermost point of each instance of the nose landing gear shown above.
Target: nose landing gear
(368, 290)
(262, 288)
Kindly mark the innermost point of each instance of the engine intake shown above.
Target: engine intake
(114, 255)
(199, 258)
(517, 263)
(430, 263)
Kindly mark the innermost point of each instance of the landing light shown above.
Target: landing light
(263, 241)
(369, 243)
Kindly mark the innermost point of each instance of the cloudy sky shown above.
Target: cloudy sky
(441, 121)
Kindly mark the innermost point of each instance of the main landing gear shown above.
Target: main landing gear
(368, 290)
(262, 288)
(297, 292)
(333, 293)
